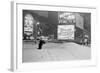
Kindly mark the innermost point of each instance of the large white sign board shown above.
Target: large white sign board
(66, 32)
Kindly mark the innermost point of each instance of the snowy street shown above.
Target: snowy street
(55, 52)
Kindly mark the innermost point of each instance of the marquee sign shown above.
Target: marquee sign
(66, 17)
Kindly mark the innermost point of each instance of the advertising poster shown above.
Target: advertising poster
(66, 32)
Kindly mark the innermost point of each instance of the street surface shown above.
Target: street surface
(55, 52)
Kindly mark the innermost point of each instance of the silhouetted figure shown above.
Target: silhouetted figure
(85, 40)
(41, 42)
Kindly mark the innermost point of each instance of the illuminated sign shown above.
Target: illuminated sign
(66, 32)
(28, 24)
(66, 17)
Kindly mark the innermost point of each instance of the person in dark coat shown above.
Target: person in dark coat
(41, 42)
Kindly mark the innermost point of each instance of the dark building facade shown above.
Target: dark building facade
(54, 24)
